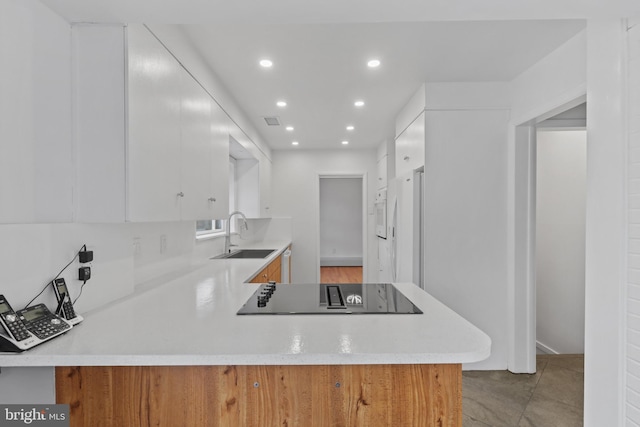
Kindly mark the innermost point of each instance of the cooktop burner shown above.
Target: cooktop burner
(328, 298)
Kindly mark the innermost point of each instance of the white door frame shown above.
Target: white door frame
(521, 265)
(365, 224)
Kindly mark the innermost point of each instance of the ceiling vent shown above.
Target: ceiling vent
(272, 121)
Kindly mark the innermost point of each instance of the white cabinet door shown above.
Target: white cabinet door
(205, 156)
(35, 119)
(154, 130)
(381, 180)
(265, 186)
(196, 149)
(410, 147)
(99, 122)
(218, 198)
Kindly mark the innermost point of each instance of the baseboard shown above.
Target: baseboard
(545, 349)
(341, 261)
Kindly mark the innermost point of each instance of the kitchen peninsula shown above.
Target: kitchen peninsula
(178, 354)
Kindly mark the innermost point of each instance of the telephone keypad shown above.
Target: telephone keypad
(67, 309)
(16, 328)
(47, 326)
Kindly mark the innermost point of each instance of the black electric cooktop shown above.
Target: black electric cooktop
(328, 298)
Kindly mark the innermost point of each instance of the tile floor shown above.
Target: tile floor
(552, 397)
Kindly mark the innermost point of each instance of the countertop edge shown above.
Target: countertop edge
(25, 360)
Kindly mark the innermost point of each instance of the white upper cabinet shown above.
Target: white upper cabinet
(204, 156)
(410, 144)
(99, 122)
(178, 139)
(218, 195)
(381, 180)
(265, 186)
(152, 144)
(383, 160)
(155, 86)
(36, 169)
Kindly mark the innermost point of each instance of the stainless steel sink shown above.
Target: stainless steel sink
(246, 254)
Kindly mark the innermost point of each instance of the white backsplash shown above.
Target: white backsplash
(127, 257)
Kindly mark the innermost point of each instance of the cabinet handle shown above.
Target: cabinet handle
(406, 157)
(180, 194)
(212, 199)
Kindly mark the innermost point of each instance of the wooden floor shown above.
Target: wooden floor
(341, 274)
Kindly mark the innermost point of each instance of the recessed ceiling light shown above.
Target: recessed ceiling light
(289, 128)
(266, 63)
(294, 143)
(374, 63)
(281, 104)
(345, 142)
(350, 127)
(359, 103)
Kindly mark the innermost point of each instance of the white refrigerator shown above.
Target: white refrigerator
(405, 235)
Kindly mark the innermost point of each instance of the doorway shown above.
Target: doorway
(523, 307)
(561, 172)
(342, 235)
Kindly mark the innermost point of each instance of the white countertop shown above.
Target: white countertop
(191, 320)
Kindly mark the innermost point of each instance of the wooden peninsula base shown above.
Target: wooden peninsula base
(291, 395)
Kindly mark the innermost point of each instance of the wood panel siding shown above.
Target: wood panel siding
(328, 395)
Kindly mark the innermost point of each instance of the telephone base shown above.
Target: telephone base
(75, 320)
(9, 345)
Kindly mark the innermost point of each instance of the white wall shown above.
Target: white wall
(33, 254)
(341, 221)
(561, 75)
(296, 186)
(632, 374)
(560, 226)
(465, 220)
(607, 224)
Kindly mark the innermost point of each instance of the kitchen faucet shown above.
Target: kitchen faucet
(227, 235)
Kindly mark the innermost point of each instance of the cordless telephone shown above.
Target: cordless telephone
(12, 322)
(28, 327)
(65, 306)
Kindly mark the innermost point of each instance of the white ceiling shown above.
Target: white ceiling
(320, 70)
(320, 48)
(334, 11)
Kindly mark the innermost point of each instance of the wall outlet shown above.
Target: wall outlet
(163, 243)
